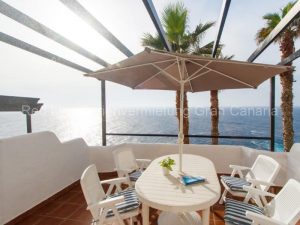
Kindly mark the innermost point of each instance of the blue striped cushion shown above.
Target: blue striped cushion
(131, 201)
(235, 183)
(235, 212)
(134, 176)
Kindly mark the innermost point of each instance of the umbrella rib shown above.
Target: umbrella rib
(107, 70)
(225, 75)
(150, 78)
(224, 61)
(187, 76)
(163, 53)
(165, 73)
(245, 63)
(179, 69)
(199, 75)
(195, 73)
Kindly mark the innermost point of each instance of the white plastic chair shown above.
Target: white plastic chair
(261, 175)
(107, 207)
(283, 209)
(127, 165)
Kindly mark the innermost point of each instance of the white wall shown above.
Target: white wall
(221, 155)
(34, 167)
(103, 158)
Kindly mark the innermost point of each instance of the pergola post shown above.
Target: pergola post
(272, 114)
(28, 123)
(214, 93)
(27, 106)
(103, 112)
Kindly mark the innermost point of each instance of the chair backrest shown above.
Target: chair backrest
(285, 207)
(264, 168)
(125, 159)
(92, 189)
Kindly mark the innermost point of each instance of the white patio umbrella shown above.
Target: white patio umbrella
(161, 70)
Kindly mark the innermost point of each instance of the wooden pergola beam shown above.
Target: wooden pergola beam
(31, 23)
(156, 21)
(222, 19)
(286, 21)
(27, 106)
(290, 58)
(35, 50)
(86, 16)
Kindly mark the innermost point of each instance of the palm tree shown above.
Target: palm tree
(214, 105)
(286, 45)
(175, 23)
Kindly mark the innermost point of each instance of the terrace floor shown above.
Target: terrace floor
(70, 209)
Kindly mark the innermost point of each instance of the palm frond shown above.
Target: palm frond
(202, 28)
(287, 8)
(262, 34)
(155, 42)
(272, 19)
(205, 50)
(175, 20)
(294, 27)
(194, 38)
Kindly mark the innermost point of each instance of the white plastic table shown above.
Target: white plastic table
(166, 193)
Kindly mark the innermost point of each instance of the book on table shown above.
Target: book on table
(187, 179)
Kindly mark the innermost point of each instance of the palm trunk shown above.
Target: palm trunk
(286, 79)
(186, 140)
(214, 109)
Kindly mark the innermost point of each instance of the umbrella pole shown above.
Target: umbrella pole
(181, 135)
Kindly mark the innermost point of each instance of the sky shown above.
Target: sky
(25, 74)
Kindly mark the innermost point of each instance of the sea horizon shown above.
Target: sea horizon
(85, 122)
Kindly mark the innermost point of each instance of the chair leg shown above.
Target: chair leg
(222, 197)
(135, 219)
(247, 198)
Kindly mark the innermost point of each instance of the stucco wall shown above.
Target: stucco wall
(36, 166)
(221, 155)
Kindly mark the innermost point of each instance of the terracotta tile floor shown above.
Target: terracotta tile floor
(70, 209)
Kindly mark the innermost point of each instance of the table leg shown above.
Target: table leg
(205, 216)
(145, 214)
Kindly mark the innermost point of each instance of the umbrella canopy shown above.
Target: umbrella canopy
(160, 70)
(154, 69)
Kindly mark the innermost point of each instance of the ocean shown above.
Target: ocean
(69, 123)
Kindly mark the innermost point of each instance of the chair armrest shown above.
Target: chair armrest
(114, 181)
(261, 219)
(239, 167)
(123, 172)
(144, 160)
(257, 182)
(255, 191)
(107, 203)
(258, 195)
(238, 170)
(143, 163)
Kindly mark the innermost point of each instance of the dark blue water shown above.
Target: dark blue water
(68, 123)
(233, 122)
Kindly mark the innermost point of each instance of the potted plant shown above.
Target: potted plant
(166, 165)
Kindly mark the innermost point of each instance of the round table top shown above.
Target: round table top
(167, 193)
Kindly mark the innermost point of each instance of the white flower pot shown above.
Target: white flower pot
(165, 171)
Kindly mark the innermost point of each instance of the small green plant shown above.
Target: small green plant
(167, 163)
